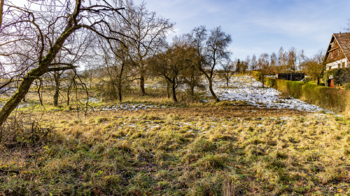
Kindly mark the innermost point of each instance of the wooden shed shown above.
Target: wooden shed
(291, 76)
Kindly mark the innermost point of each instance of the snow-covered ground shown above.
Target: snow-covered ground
(246, 88)
(123, 106)
(127, 106)
(20, 105)
(241, 88)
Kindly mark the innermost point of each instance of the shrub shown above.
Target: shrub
(270, 82)
(340, 76)
(329, 98)
(347, 86)
(257, 75)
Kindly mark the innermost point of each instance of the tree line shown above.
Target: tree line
(49, 39)
(282, 61)
(285, 62)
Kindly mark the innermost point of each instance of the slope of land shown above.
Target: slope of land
(242, 147)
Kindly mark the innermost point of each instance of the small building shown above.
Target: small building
(338, 54)
(338, 51)
(291, 76)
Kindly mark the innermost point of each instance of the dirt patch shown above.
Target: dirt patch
(242, 111)
(224, 112)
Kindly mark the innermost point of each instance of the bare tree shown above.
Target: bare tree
(248, 62)
(315, 67)
(254, 62)
(150, 32)
(301, 57)
(68, 79)
(171, 63)
(292, 59)
(228, 71)
(264, 65)
(27, 42)
(212, 52)
(57, 80)
(72, 59)
(191, 75)
(89, 74)
(281, 57)
(242, 66)
(273, 60)
(238, 66)
(178, 65)
(116, 66)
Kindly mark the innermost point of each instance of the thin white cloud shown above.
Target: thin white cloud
(260, 25)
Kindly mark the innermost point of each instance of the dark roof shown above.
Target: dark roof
(343, 40)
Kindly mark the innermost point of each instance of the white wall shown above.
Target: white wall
(335, 64)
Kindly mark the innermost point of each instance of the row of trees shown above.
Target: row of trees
(285, 62)
(282, 61)
(50, 38)
(191, 56)
(182, 62)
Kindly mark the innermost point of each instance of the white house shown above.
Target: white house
(338, 52)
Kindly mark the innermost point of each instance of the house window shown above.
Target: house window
(343, 65)
(338, 65)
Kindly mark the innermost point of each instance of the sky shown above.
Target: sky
(259, 26)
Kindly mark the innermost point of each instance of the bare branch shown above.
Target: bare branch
(60, 68)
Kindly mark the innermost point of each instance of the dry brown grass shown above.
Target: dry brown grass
(195, 151)
(186, 148)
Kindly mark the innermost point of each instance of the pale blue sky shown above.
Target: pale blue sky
(258, 26)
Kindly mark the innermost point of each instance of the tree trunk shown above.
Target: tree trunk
(1, 11)
(174, 92)
(68, 92)
(39, 94)
(318, 81)
(168, 89)
(192, 90)
(142, 83)
(28, 79)
(57, 91)
(90, 80)
(12, 103)
(120, 92)
(212, 91)
(71, 82)
(227, 82)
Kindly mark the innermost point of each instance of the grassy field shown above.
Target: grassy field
(189, 148)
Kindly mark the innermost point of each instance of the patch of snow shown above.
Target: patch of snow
(247, 89)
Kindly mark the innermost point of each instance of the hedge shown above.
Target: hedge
(270, 81)
(329, 98)
(257, 75)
